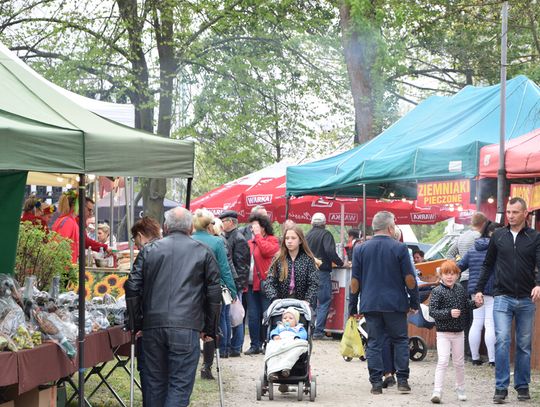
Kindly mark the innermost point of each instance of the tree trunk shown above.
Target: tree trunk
(360, 52)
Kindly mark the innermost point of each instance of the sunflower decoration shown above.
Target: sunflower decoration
(112, 280)
(101, 288)
(86, 291)
(88, 278)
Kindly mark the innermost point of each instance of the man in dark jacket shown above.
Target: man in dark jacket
(513, 255)
(241, 257)
(176, 280)
(383, 273)
(322, 244)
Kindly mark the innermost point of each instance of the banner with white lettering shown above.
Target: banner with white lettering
(455, 192)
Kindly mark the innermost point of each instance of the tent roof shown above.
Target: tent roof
(439, 139)
(522, 157)
(42, 130)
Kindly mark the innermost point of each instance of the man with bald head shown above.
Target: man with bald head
(176, 282)
(383, 273)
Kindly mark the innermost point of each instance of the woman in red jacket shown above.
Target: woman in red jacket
(263, 247)
(66, 224)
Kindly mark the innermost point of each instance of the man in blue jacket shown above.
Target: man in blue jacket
(383, 273)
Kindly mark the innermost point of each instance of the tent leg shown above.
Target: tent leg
(188, 192)
(82, 291)
(364, 215)
(478, 194)
(287, 207)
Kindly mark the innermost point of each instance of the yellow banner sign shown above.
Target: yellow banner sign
(444, 192)
(529, 192)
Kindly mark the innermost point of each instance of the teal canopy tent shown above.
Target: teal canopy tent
(440, 139)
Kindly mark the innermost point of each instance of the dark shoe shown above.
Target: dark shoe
(252, 351)
(376, 389)
(403, 386)
(500, 396)
(283, 388)
(317, 337)
(206, 374)
(234, 354)
(523, 394)
(477, 362)
(224, 355)
(389, 381)
(286, 372)
(272, 377)
(492, 364)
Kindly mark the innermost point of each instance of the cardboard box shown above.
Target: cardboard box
(37, 398)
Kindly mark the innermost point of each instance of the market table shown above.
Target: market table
(8, 369)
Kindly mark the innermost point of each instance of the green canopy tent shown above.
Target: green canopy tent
(42, 130)
(438, 140)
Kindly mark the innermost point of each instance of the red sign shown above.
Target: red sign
(455, 192)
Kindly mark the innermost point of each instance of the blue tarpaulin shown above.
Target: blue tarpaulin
(439, 139)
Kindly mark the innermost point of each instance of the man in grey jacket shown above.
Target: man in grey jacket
(176, 281)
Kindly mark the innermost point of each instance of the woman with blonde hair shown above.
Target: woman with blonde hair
(293, 273)
(66, 225)
(204, 232)
(104, 233)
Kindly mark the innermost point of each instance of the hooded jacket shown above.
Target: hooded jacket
(473, 260)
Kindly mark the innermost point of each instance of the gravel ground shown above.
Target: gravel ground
(341, 383)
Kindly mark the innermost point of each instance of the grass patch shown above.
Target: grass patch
(205, 392)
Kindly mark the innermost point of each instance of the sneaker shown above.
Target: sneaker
(523, 394)
(286, 372)
(376, 389)
(224, 355)
(252, 351)
(492, 364)
(436, 397)
(403, 386)
(461, 395)
(318, 337)
(206, 374)
(234, 354)
(477, 362)
(500, 396)
(389, 381)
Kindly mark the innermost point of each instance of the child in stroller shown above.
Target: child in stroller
(287, 360)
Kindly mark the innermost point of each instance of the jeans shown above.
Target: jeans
(171, 356)
(257, 304)
(379, 325)
(237, 340)
(506, 308)
(324, 298)
(141, 367)
(225, 326)
(388, 356)
(450, 343)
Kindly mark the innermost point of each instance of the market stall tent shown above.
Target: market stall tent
(521, 157)
(440, 139)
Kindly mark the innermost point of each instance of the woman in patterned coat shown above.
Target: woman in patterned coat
(293, 273)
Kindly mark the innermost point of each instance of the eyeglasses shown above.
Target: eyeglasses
(90, 210)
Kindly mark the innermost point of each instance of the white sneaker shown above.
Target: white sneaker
(436, 397)
(461, 395)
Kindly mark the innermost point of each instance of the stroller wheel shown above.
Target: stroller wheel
(270, 391)
(417, 348)
(347, 359)
(300, 395)
(259, 389)
(313, 389)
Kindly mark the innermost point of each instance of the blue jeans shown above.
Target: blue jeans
(388, 356)
(505, 309)
(237, 340)
(225, 326)
(257, 304)
(171, 356)
(324, 298)
(379, 325)
(141, 367)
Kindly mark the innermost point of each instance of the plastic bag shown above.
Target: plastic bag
(351, 342)
(237, 313)
(57, 331)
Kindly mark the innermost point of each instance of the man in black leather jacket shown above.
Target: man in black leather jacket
(176, 280)
(241, 259)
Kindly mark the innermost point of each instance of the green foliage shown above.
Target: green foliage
(43, 255)
(429, 233)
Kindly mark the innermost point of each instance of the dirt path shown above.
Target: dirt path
(341, 383)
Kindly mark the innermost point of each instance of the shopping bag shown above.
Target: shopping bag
(351, 342)
(237, 313)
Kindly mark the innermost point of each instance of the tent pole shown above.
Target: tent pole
(188, 192)
(342, 231)
(364, 215)
(111, 198)
(82, 285)
(501, 173)
(129, 203)
(287, 202)
(478, 194)
(96, 199)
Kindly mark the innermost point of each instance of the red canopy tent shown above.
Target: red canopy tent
(522, 157)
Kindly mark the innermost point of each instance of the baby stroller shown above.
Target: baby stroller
(300, 374)
(417, 345)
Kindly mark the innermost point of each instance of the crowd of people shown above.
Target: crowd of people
(184, 283)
